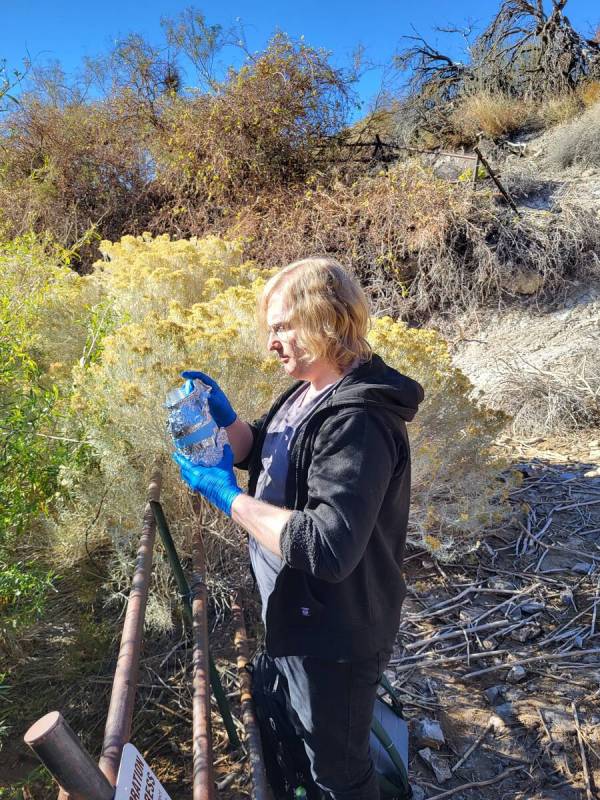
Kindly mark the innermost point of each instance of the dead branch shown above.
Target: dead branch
(586, 774)
(476, 784)
(520, 662)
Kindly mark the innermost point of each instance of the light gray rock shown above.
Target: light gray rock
(500, 583)
(470, 613)
(516, 674)
(438, 765)
(494, 694)
(566, 597)
(428, 733)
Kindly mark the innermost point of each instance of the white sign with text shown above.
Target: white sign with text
(136, 781)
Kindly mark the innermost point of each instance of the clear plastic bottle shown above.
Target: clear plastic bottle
(195, 433)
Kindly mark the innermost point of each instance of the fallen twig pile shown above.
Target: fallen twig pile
(515, 628)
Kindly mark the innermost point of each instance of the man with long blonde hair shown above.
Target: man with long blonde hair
(326, 509)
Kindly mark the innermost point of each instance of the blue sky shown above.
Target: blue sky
(68, 30)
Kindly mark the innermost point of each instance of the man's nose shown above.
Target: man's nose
(273, 342)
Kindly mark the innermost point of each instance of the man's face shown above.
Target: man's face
(282, 338)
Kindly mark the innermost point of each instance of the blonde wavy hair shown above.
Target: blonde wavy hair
(327, 307)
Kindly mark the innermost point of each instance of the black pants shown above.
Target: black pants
(333, 706)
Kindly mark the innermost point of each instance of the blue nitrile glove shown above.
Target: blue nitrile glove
(220, 407)
(218, 484)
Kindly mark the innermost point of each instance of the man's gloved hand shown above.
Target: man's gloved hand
(220, 407)
(218, 484)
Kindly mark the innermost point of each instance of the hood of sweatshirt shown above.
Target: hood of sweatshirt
(376, 383)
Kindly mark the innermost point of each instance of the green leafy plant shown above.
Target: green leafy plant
(35, 309)
(23, 591)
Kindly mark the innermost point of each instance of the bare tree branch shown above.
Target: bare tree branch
(524, 52)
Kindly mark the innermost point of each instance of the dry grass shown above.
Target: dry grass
(551, 399)
(578, 141)
(590, 93)
(560, 109)
(498, 116)
(526, 53)
(492, 114)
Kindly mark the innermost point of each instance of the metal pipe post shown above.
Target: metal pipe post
(496, 180)
(184, 591)
(262, 790)
(475, 173)
(203, 781)
(120, 710)
(223, 703)
(173, 556)
(60, 751)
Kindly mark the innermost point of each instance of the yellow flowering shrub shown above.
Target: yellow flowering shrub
(144, 275)
(455, 489)
(172, 305)
(50, 302)
(155, 307)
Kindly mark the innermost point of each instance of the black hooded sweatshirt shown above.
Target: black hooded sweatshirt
(339, 592)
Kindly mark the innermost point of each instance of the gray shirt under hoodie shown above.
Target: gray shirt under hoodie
(272, 480)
